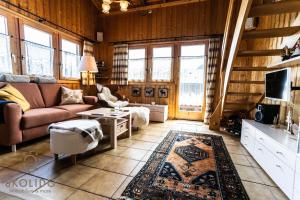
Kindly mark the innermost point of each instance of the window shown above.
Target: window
(38, 52)
(5, 54)
(70, 59)
(136, 64)
(162, 64)
(192, 77)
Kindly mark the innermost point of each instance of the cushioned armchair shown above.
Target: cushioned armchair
(106, 99)
(45, 108)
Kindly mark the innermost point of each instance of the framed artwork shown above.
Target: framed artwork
(149, 92)
(163, 93)
(136, 92)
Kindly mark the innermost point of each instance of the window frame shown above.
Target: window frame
(53, 43)
(73, 40)
(145, 61)
(161, 45)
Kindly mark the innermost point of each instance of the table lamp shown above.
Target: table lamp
(87, 68)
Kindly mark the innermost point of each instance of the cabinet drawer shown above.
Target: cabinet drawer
(261, 155)
(157, 117)
(297, 180)
(289, 158)
(297, 186)
(283, 176)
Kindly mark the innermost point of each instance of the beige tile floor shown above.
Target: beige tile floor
(105, 175)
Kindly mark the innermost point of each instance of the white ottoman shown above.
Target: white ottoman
(140, 116)
(66, 137)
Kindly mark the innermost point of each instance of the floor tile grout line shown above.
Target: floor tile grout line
(73, 187)
(103, 169)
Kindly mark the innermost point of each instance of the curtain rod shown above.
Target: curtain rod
(171, 39)
(43, 20)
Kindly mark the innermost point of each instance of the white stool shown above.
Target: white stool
(71, 143)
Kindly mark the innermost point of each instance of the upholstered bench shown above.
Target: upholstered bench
(74, 137)
(140, 116)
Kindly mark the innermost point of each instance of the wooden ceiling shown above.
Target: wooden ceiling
(141, 5)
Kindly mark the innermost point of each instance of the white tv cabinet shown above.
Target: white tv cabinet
(276, 152)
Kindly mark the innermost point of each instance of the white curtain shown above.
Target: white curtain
(5, 56)
(70, 68)
(39, 59)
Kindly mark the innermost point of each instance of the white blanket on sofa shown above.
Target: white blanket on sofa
(140, 116)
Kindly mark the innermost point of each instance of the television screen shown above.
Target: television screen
(278, 85)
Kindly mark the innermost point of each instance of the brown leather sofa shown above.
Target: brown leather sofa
(44, 102)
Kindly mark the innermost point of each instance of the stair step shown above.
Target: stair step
(244, 93)
(269, 33)
(275, 8)
(247, 82)
(268, 52)
(252, 69)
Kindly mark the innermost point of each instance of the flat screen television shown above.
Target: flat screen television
(278, 85)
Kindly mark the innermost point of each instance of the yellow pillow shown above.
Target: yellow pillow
(10, 93)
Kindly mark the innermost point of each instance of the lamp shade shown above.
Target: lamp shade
(88, 63)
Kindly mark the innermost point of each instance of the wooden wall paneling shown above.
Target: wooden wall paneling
(196, 19)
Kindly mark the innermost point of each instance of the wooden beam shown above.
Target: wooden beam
(156, 6)
(258, 69)
(275, 8)
(268, 52)
(269, 33)
(244, 93)
(236, 40)
(247, 82)
(227, 34)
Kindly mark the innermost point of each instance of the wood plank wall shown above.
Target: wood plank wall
(276, 21)
(78, 16)
(200, 19)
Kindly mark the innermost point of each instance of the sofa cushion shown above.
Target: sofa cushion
(32, 94)
(75, 108)
(51, 94)
(43, 116)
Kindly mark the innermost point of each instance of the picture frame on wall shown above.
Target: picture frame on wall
(149, 92)
(163, 92)
(136, 92)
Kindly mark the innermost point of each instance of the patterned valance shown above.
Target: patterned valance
(120, 65)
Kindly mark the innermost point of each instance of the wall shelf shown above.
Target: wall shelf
(293, 62)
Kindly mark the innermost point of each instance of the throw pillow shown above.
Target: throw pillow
(44, 79)
(16, 78)
(10, 93)
(69, 96)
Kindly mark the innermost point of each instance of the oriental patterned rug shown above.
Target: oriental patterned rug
(188, 166)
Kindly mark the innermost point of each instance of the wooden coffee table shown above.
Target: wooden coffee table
(115, 122)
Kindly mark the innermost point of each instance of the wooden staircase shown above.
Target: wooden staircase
(237, 82)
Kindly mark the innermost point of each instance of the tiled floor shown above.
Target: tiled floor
(32, 169)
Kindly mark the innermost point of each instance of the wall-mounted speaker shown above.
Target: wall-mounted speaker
(99, 36)
(266, 113)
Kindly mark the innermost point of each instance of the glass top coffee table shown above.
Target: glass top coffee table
(114, 122)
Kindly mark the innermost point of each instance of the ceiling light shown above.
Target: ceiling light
(106, 5)
(105, 8)
(107, 1)
(124, 5)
